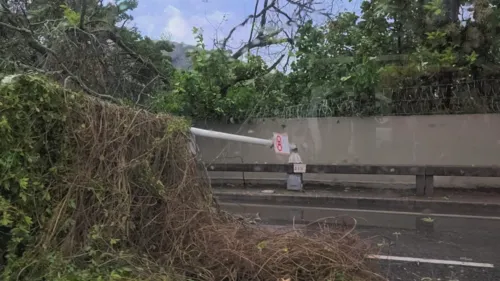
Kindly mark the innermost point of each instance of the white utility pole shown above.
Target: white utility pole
(231, 137)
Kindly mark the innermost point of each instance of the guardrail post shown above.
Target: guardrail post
(294, 181)
(295, 176)
(420, 183)
(425, 182)
(429, 185)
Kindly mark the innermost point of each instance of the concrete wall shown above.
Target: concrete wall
(420, 140)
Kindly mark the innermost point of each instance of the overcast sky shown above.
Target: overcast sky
(176, 18)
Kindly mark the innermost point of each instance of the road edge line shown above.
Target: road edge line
(432, 261)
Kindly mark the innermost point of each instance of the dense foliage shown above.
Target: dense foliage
(220, 86)
(33, 150)
(63, 216)
(396, 57)
(350, 64)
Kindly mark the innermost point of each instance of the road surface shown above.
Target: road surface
(458, 256)
(459, 248)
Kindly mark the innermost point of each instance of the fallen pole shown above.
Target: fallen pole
(230, 137)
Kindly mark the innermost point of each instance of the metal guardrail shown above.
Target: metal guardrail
(424, 174)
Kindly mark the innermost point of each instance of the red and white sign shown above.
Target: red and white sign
(281, 145)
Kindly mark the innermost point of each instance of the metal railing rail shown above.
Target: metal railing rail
(424, 174)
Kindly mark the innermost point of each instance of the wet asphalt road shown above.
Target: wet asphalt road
(429, 272)
(476, 245)
(473, 242)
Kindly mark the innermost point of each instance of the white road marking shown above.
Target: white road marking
(433, 261)
(347, 211)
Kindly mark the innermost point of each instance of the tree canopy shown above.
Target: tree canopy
(83, 44)
(394, 57)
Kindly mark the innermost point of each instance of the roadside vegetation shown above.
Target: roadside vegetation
(91, 190)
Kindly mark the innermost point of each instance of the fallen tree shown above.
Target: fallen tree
(96, 191)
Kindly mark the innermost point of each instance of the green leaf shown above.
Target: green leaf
(6, 219)
(345, 78)
(23, 183)
(71, 16)
(28, 220)
(115, 276)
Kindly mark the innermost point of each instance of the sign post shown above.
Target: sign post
(280, 143)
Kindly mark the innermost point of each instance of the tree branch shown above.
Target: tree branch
(253, 21)
(85, 87)
(31, 40)
(45, 50)
(83, 11)
(279, 11)
(117, 40)
(257, 43)
(263, 18)
(147, 85)
(275, 64)
(15, 28)
(243, 78)
(26, 67)
(244, 22)
(264, 39)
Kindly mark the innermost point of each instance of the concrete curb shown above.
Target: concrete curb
(403, 187)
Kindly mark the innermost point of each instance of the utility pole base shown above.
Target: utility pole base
(294, 182)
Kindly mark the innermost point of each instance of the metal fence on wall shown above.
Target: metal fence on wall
(460, 98)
